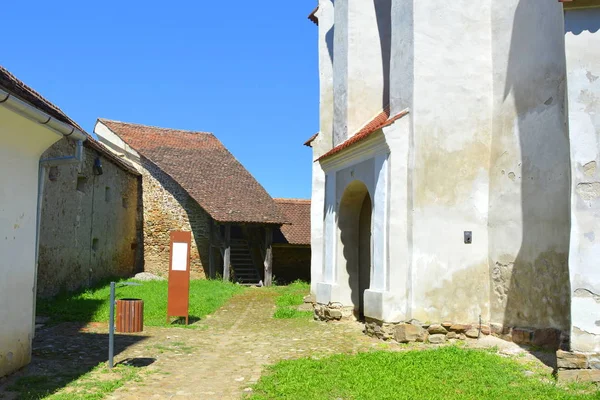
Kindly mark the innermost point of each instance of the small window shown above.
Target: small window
(81, 183)
(53, 174)
(125, 202)
(107, 194)
(95, 244)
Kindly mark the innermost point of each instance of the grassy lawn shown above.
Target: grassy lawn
(94, 385)
(290, 297)
(444, 373)
(92, 305)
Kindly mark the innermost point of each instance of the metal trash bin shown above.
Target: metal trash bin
(130, 315)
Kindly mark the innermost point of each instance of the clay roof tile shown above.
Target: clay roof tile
(210, 174)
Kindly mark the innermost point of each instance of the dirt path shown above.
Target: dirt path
(222, 361)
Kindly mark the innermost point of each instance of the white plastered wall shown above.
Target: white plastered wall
(582, 39)
(21, 144)
(529, 174)
(452, 133)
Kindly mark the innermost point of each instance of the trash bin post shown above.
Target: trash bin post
(111, 326)
(111, 321)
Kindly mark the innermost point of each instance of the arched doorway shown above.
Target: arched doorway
(354, 223)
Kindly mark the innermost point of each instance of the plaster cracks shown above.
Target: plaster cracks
(588, 190)
(587, 293)
(589, 169)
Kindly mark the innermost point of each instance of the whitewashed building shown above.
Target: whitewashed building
(442, 186)
(29, 124)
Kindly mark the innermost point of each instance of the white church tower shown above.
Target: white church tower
(441, 174)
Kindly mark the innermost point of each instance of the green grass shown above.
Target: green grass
(445, 373)
(92, 305)
(290, 297)
(93, 385)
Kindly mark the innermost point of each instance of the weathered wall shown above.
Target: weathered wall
(361, 64)
(484, 149)
(89, 222)
(291, 263)
(582, 43)
(168, 207)
(451, 117)
(21, 144)
(529, 174)
(324, 141)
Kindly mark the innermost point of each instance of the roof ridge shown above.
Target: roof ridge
(291, 200)
(154, 127)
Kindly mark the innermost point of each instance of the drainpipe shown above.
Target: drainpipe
(30, 112)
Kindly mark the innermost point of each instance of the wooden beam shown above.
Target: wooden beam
(570, 4)
(268, 256)
(227, 255)
(211, 262)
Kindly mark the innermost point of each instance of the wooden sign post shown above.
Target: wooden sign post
(179, 276)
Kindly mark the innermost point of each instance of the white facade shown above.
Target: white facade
(22, 141)
(582, 35)
(483, 149)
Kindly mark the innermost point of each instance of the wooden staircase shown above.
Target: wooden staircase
(243, 269)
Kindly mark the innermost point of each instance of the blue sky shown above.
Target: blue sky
(246, 71)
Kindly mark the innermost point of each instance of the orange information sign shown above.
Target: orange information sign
(179, 276)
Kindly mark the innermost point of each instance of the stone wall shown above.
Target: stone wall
(168, 207)
(291, 263)
(89, 225)
(578, 366)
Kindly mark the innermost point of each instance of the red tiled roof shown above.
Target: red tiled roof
(382, 120)
(311, 139)
(210, 174)
(297, 212)
(18, 88)
(313, 16)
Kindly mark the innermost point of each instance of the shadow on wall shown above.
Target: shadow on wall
(383, 11)
(534, 286)
(354, 222)
(197, 217)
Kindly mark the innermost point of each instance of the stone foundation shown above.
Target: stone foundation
(333, 312)
(576, 366)
(436, 333)
(415, 331)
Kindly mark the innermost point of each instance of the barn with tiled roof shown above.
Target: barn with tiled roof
(291, 243)
(192, 182)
